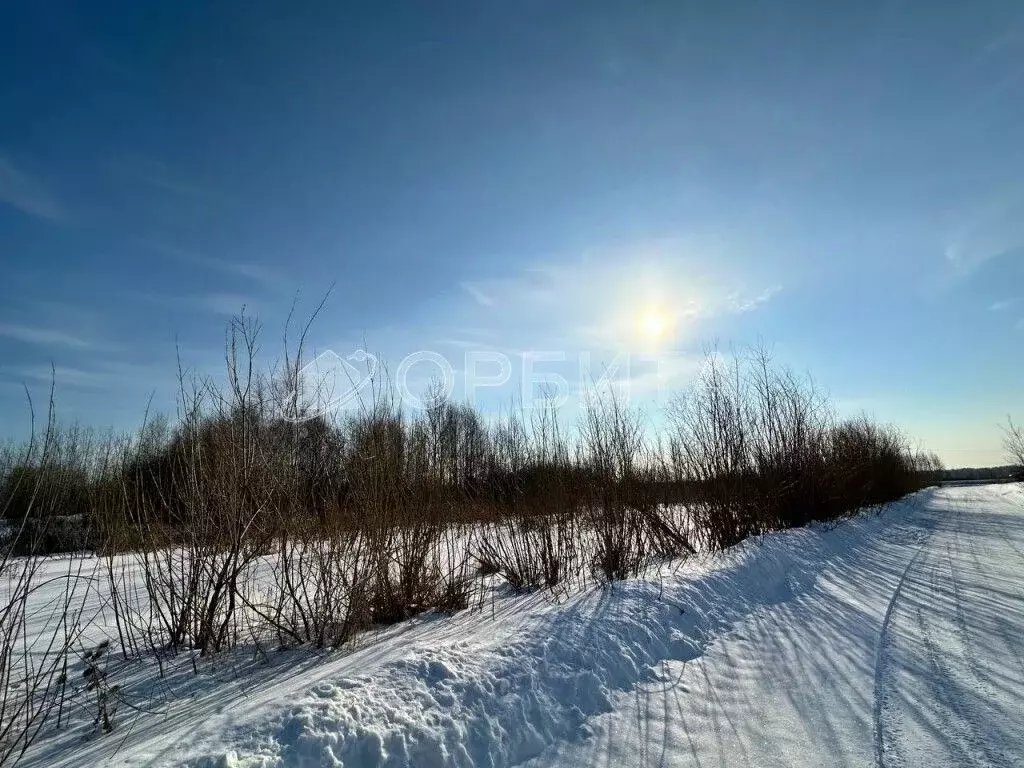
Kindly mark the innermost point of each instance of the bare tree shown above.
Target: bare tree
(1013, 441)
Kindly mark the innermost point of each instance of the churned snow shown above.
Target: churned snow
(891, 639)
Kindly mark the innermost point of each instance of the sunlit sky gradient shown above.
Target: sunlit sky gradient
(842, 182)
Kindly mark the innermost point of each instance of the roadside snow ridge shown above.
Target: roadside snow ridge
(473, 705)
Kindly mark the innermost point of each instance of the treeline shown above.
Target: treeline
(974, 474)
(395, 510)
(749, 447)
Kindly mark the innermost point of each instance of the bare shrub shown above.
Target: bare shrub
(210, 516)
(869, 464)
(611, 440)
(1013, 442)
(318, 586)
(758, 449)
(33, 665)
(531, 539)
(710, 454)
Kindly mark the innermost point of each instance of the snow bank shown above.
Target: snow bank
(472, 703)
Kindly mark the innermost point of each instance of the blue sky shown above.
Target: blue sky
(845, 184)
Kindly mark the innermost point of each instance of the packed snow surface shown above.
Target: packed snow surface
(892, 639)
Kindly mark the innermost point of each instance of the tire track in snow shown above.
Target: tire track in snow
(1009, 539)
(959, 689)
(974, 663)
(954, 714)
(880, 653)
(958, 681)
(1009, 637)
(961, 710)
(964, 630)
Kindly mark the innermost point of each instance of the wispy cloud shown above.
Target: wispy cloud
(47, 337)
(661, 376)
(602, 301)
(254, 272)
(106, 375)
(226, 304)
(155, 173)
(1003, 305)
(27, 194)
(738, 303)
(992, 230)
(61, 375)
(477, 294)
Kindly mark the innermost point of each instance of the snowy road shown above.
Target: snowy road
(949, 679)
(907, 651)
(886, 640)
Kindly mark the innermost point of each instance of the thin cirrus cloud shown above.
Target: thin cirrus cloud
(659, 379)
(158, 175)
(106, 375)
(991, 231)
(218, 303)
(1003, 305)
(739, 303)
(596, 302)
(255, 272)
(36, 336)
(27, 194)
(226, 304)
(478, 295)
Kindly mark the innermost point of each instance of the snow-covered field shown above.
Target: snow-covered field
(894, 639)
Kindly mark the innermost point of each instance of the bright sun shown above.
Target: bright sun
(654, 324)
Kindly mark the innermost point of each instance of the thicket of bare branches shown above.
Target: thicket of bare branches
(38, 635)
(760, 449)
(257, 518)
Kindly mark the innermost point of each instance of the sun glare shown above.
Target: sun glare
(654, 325)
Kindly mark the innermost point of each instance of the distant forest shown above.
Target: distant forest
(1007, 472)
